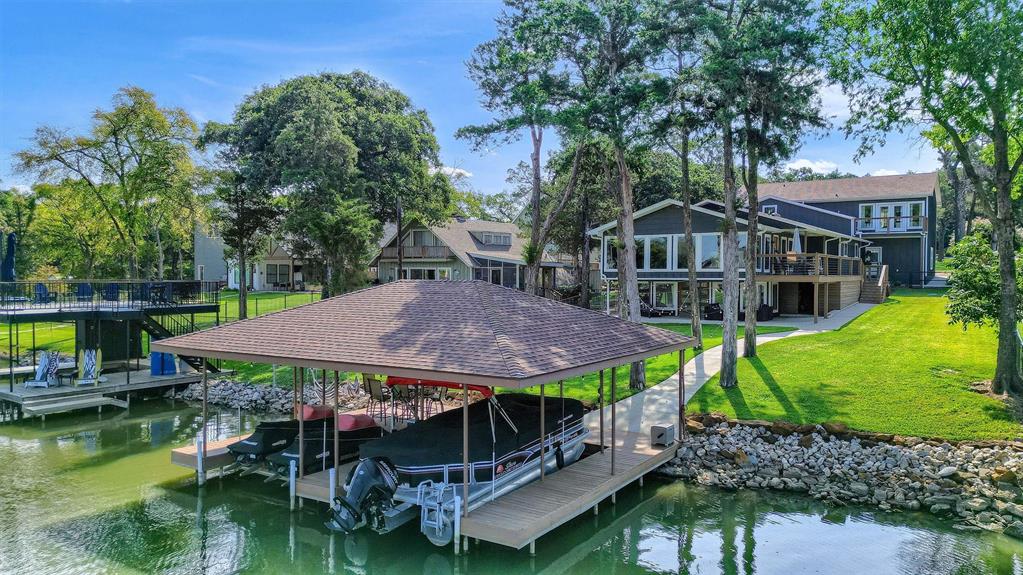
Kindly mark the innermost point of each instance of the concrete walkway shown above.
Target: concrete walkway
(659, 404)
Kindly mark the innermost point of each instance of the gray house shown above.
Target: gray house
(460, 249)
(809, 262)
(208, 256)
(897, 214)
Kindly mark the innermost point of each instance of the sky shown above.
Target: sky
(59, 61)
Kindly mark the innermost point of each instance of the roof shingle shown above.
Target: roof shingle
(460, 331)
(853, 189)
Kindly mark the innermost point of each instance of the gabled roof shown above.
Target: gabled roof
(651, 209)
(463, 237)
(779, 222)
(460, 331)
(903, 186)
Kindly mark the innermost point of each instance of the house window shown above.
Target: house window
(916, 215)
(709, 251)
(426, 273)
(202, 272)
(610, 255)
(663, 295)
(641, 254)
(681, 253)
(271, 274)
(771, 210)
(496, 239)
(657, 253)
(866, 216)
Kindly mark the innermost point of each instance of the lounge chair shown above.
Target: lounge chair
(46, 371)
(41, 295)
(84, 292)
(647, 310)
(90, 363)
(713, 311)
(111, 292)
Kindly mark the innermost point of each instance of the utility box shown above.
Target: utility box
(662, 434)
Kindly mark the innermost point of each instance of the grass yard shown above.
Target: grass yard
(899, 368)
(658, 369)
(942, 265)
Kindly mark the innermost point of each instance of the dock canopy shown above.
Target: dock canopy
(468, 332)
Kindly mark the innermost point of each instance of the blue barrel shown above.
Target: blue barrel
(170, 364)
(155, 363)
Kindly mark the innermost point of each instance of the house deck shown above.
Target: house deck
(519, 518)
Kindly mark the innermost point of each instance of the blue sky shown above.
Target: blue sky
(61, 60)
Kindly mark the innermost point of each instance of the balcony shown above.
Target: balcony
(417, 252)
(890, 225)
(105, 295)
(807, 267)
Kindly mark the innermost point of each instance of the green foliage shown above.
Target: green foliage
(974, 295)
(18, 211)
(71, 232)
(135, 163)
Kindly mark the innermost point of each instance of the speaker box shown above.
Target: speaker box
(662, 434)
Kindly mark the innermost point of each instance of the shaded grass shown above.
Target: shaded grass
(899, 368)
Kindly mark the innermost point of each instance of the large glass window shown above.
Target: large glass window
(664, 295)
(681, 253)
(658, 252)
(709, 251)
(641, 254)
(866, 216)
(610, 254)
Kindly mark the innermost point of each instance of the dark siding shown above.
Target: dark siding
(811, 216)
(847, 208)
(669, 221)
(903, 258)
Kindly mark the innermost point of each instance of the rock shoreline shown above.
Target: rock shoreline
(975, 484)
(263, 398)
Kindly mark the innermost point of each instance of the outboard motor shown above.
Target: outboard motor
(369, 486)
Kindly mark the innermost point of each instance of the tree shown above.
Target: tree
(974, 295)
(804, 174)
(134, 155)
(18, 211)
(606, 50)
(339, 148)
(71, 230)
(954, 64)
(778, 64)
(521, 85)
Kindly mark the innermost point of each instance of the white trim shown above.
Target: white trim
(798, 224)
(596, 232)
(808, 206)
(765, 207)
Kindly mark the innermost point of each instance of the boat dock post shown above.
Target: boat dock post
(291, 483)
(201, 451)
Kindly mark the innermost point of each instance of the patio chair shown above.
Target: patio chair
(89, 365)
(42, 295)
(84, 292)
(378, 400)
(46, 371)
(434, 397)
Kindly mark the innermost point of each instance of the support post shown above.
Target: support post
(301, 421)
(10, 356)
(543, 432)
(816, 288)
(127, 353)
(614, 383)
(681, 392)
(827, 299)
(600, 397)
(337, 418)
(465, 449)
(332, 490)
(205, 423)
(292, 487)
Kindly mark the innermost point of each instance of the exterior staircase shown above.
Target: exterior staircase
(169, 326)
(875, 288)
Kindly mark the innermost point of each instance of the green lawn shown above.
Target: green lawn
(657, 369)
(899, 368)
(942, 265)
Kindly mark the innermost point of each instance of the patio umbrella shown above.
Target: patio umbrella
(796, 245)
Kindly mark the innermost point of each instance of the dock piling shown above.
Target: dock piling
(291, 483)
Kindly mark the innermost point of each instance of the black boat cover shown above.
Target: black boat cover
(438, 440)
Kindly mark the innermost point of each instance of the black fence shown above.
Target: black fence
(85, 295)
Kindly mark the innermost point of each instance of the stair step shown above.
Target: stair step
(81, 402)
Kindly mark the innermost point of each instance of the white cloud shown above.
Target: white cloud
(818, 166)
(885, 172)
(452, 172)
(834, 104)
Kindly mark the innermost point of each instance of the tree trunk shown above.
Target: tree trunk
(958, 193)
(159, 253)
(628, 278)
(243, 284)
(1007, 376)
(533, 258)
(584, 256)
(973, 210)
(687, 224)
(730, 276)
(752, 297)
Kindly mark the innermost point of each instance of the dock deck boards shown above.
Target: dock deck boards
(116, 382)
(216, 454)
(316, 486)
(520, 517)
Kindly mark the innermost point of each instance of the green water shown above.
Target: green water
(92, 494)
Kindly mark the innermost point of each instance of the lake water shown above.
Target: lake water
(97, 494)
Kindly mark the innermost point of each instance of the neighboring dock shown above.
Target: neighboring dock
(519, 518)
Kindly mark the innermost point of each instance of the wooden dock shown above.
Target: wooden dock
(521, 517)
(316, 486)
(216, 454)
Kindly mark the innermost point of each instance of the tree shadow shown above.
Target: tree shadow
(738, 402)
(791, 412)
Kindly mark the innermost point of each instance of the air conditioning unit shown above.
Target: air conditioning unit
(662, 434)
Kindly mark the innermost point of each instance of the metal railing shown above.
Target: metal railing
(809, 265)
(81, 295)
(890, 224)
(417, 252)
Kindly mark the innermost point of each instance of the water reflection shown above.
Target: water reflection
(88, 494)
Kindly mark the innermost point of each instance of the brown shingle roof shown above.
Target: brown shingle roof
(854, 189)
(460, 331)
(459, 236)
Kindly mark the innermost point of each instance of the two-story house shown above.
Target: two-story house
(809, 262)
(460, 249)
(897, 214)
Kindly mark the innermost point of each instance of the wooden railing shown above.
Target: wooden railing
(809, 265)
(417, 252)
(891, 224)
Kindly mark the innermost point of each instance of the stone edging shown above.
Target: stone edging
(977, 484)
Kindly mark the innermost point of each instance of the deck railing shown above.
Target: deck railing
(84, 295)
(417, 252)
(809, 265)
